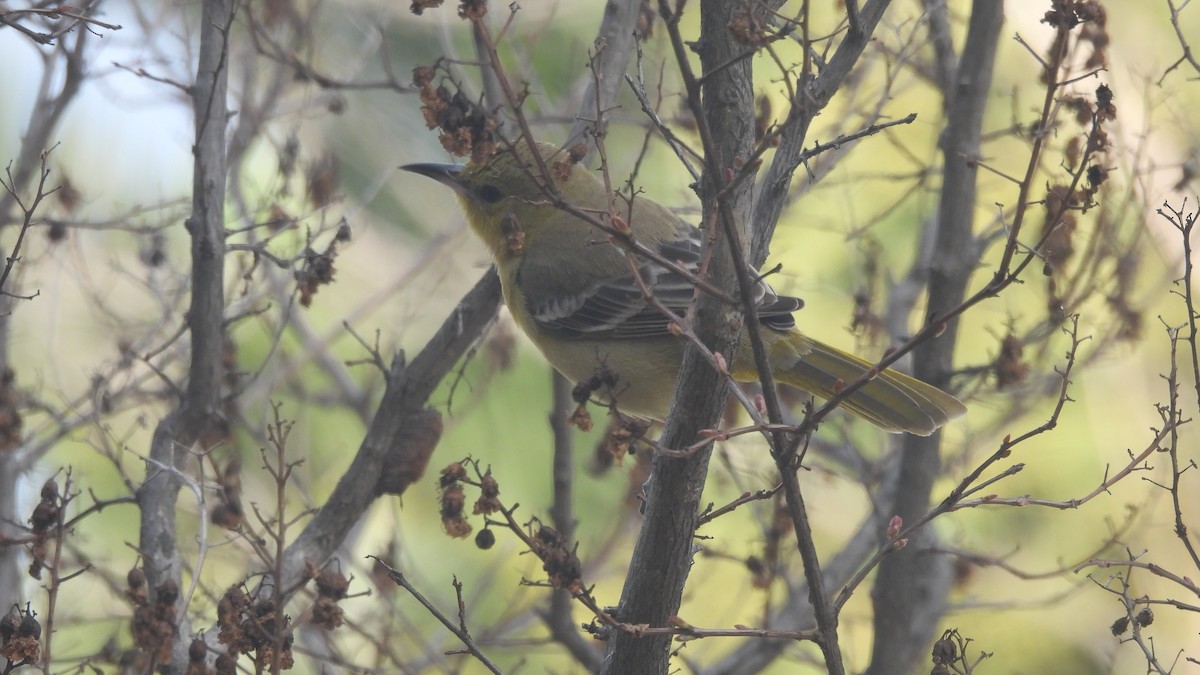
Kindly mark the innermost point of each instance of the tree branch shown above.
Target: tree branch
(615, 42)
(812, 98)
(663, 553)
(408, 389)
(910, 591)
(184, 426)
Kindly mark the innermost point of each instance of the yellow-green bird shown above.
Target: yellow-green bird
(574, 295)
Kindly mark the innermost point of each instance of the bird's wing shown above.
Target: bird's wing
(617, 308)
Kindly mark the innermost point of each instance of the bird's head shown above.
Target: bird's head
(508, 190)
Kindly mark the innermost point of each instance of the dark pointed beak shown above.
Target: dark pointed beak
(446, 174)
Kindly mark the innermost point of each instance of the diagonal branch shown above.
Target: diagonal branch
(408, 389)
(615, 43)
(812, 98)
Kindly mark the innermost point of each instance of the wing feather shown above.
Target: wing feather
(616, 308)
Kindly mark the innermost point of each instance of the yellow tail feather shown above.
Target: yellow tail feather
(892, 401)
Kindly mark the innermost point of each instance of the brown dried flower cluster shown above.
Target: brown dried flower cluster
(1058, 228)
(562, 166)
(1071, 13)
(321, 181)
(621, 439)
(43, 524)
(472, 10)
(603, 378)
(561, 564)
(153, 620)
(1061, 201)
(198, 658)
(489, 495)
(317, 271)
(1094, 32)
(466, 128)
(1010, 366)
(1067, 202)
(256, 626)
(1090, 17)
(454, 500)
(332, 586)
(418, 7)
(1144, 618)
(20, 638)
(945, 654)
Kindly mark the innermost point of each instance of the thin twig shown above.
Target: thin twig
(459, 631)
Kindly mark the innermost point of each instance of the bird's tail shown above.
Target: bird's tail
(892, 401)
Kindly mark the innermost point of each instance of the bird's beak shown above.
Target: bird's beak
(446, 174)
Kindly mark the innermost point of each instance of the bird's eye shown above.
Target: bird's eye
(490, 194)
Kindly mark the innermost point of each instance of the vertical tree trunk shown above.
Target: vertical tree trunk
(197, 411)
(910, 592)
(663, 553)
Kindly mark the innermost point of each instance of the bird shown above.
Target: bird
(572, 291)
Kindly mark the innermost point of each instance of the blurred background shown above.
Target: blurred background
(92, 352)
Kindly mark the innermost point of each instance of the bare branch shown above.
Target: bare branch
(408, 389)
(1187, 56)
(911, 586)
(662, 555)
(459, 631)
(196, 412)
(615, 43)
